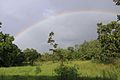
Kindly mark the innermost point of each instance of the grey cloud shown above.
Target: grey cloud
(20, 14)
(70, 29)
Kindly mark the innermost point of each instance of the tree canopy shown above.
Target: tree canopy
(30, 55)
(109, 37)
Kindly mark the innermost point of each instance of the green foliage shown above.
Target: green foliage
(111, 75)
(30, 55)
(46, 57)
(67, 73)
(70, 53)
(109, 37)
(117, 63)
(8, 51)
(87, 50)
(20, 58)
(60, 54)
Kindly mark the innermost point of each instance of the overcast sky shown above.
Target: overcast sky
(70, 19)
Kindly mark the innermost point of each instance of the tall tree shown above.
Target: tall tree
(109, 37)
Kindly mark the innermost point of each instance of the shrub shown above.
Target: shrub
(66, 72)
(37, 70)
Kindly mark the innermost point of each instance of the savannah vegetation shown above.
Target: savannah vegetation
(92, 60)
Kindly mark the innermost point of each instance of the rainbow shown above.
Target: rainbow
(65, 13)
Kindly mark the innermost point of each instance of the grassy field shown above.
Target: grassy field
(87, 71)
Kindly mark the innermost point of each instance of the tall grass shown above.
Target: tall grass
(87, 70)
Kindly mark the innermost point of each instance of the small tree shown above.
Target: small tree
(30, 55)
